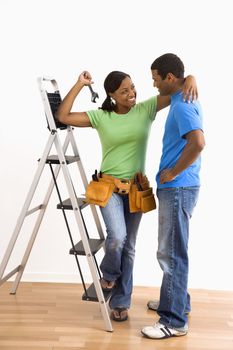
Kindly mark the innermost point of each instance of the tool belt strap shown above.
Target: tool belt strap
(121, 185)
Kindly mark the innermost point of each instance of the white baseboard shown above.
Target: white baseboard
(53, 278)
(75, 278)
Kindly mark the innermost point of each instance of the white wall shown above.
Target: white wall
(62, 38)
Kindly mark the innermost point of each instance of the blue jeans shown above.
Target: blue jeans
(175, 210)
(117, 264)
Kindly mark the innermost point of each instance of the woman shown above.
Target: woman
(123, 127)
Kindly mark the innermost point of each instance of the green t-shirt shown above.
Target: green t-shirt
(124, 138)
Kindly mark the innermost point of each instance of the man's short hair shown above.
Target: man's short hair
(169, 63)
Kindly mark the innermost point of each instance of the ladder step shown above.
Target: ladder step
(53, 159)
(66, 204)
(95, 245)
(91, 294)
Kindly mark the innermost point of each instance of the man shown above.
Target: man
(177, 190)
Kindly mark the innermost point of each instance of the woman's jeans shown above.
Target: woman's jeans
(117, 264)
(175, 210)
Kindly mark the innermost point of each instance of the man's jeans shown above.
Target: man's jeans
(175, 210)
(117, 264)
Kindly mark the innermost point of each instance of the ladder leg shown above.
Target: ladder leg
(93, 269)
(34, 234)
(68, 228)
(38, 221)
(27, 203)
(28, 251)
(90, 259)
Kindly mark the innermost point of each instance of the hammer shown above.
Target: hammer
(94, 94)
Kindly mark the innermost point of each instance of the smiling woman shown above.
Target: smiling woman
(123, 127)
(124, 96)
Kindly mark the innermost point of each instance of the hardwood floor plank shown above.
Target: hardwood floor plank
(52, 316)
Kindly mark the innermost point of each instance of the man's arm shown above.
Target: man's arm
(195, 144)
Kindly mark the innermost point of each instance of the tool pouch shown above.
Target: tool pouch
(132, 199)
(141, 199)
(99, 193)
(145, 200)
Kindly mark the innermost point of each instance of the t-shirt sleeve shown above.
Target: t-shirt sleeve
(188, 118)
(94, 116)
(150, 105)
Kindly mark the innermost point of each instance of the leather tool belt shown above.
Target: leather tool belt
(101, 188)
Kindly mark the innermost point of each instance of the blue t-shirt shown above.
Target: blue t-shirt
(182, 118)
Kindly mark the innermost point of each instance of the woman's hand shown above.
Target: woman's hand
(190, 91)
(85, 78)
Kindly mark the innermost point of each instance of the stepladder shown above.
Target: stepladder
(59, 163)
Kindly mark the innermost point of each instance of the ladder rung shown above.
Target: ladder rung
(53, 159)
(17, 269)
(95, 245)
(91, 294)
(39, 207)
(66, 204)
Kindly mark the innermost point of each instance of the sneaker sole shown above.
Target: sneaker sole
(164, 337)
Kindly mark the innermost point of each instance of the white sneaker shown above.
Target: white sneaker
(159, 331)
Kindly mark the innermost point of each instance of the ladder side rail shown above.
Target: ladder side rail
(84, 238)
(76, 153)
(68, 228)
(94, 257)
(52, 125)
(45, 100)
(85, 182)
(26, 205)
(38, 221)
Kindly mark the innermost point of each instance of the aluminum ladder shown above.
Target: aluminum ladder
(86, 246)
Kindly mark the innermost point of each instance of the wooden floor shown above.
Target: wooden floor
(51, 316)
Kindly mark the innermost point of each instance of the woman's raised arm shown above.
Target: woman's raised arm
(64, 114)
